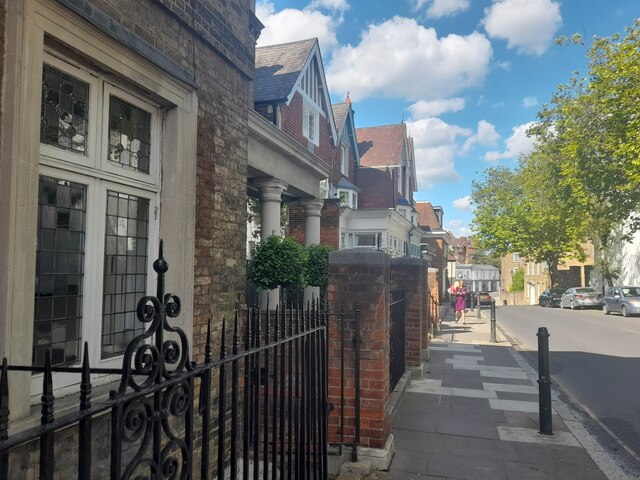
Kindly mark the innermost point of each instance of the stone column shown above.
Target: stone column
(312, 208)
(271, 198)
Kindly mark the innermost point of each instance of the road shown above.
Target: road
(595, 358)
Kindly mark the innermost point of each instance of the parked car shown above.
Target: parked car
(483, 298)
(551, 297)
(581, 297)
(625, 299)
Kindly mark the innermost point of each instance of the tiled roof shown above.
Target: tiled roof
(344, 183)
(427, 216)
(278, 67)
(381, 146)
(340, 112)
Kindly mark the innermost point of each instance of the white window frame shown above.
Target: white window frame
(47, 21)
(516, 257)
(99, 176)
(310, 123)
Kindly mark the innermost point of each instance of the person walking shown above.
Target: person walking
(452, 294)
(461, 293)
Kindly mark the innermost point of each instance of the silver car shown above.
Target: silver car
(581, 297)
(625, 299)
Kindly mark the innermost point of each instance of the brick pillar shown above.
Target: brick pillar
(409, 274)
(360, 277)
(434, 289)
(330, 223)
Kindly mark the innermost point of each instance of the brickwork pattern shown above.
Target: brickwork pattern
(296, 224)
(410, 275)
(360, 278)
(377, 190)
(220, 57)
(330, 223)
(291, 124)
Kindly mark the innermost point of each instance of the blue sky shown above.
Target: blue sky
(467, 76)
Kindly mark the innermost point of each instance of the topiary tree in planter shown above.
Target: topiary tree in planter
(317, 267)
(278, 262)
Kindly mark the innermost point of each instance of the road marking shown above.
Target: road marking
(514, 405)
(528, 435)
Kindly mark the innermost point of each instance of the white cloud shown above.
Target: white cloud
(433, 108)
(505, 65)
(463, 203)
(332, 5)
(435, 144)
(442, 8)
(528, 102)
(459, 228)
(290, 25)
(402, 59)
(528, 25)
(486, 135)
(517, 144)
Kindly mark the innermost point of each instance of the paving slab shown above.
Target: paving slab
(474, 415)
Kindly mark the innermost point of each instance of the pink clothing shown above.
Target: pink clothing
(461, 299)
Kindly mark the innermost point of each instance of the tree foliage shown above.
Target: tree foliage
(517, 281)
(582, 179)
(593, 122)
(317, 266)
(278, 262)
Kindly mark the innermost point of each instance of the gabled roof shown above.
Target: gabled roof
(278, 68)
(427, 216)
(382, 146)
(343, 117)
(340, 114)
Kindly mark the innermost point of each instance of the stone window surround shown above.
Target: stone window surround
(21, 143)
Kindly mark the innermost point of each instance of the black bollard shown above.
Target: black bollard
(544, 382)
(493, 321)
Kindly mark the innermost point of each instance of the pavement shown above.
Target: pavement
(473, 414)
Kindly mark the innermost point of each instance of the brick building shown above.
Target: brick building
(142, 134)
(437, 242)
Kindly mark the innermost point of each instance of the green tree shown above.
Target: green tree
(594, 125)
(523, 210)
(278, 262)
(517, 281)
(484, 257)
(317, 266)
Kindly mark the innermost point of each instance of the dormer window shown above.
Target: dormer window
(310, 123)
(348, 198)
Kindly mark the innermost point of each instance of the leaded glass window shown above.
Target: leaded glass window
(129, 135)
(59, 270)
(64, 114)
(125, 269)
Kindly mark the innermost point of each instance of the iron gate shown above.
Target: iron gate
(397, 308)
(265, 418)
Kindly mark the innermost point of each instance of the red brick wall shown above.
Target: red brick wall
(434, 300)
(291, 123)
(360, 278)
(296, 225)
(410, 275)
(376, 188)
(330, 223)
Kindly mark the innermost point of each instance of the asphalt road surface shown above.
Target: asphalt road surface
(595, 359)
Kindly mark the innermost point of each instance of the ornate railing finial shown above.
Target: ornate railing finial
(160, 266)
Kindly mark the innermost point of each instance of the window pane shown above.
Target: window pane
(129, 135)
(59, 270)
(125, 270)
(64, 110)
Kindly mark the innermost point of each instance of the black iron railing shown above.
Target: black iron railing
(262, 410)
(397, 308)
